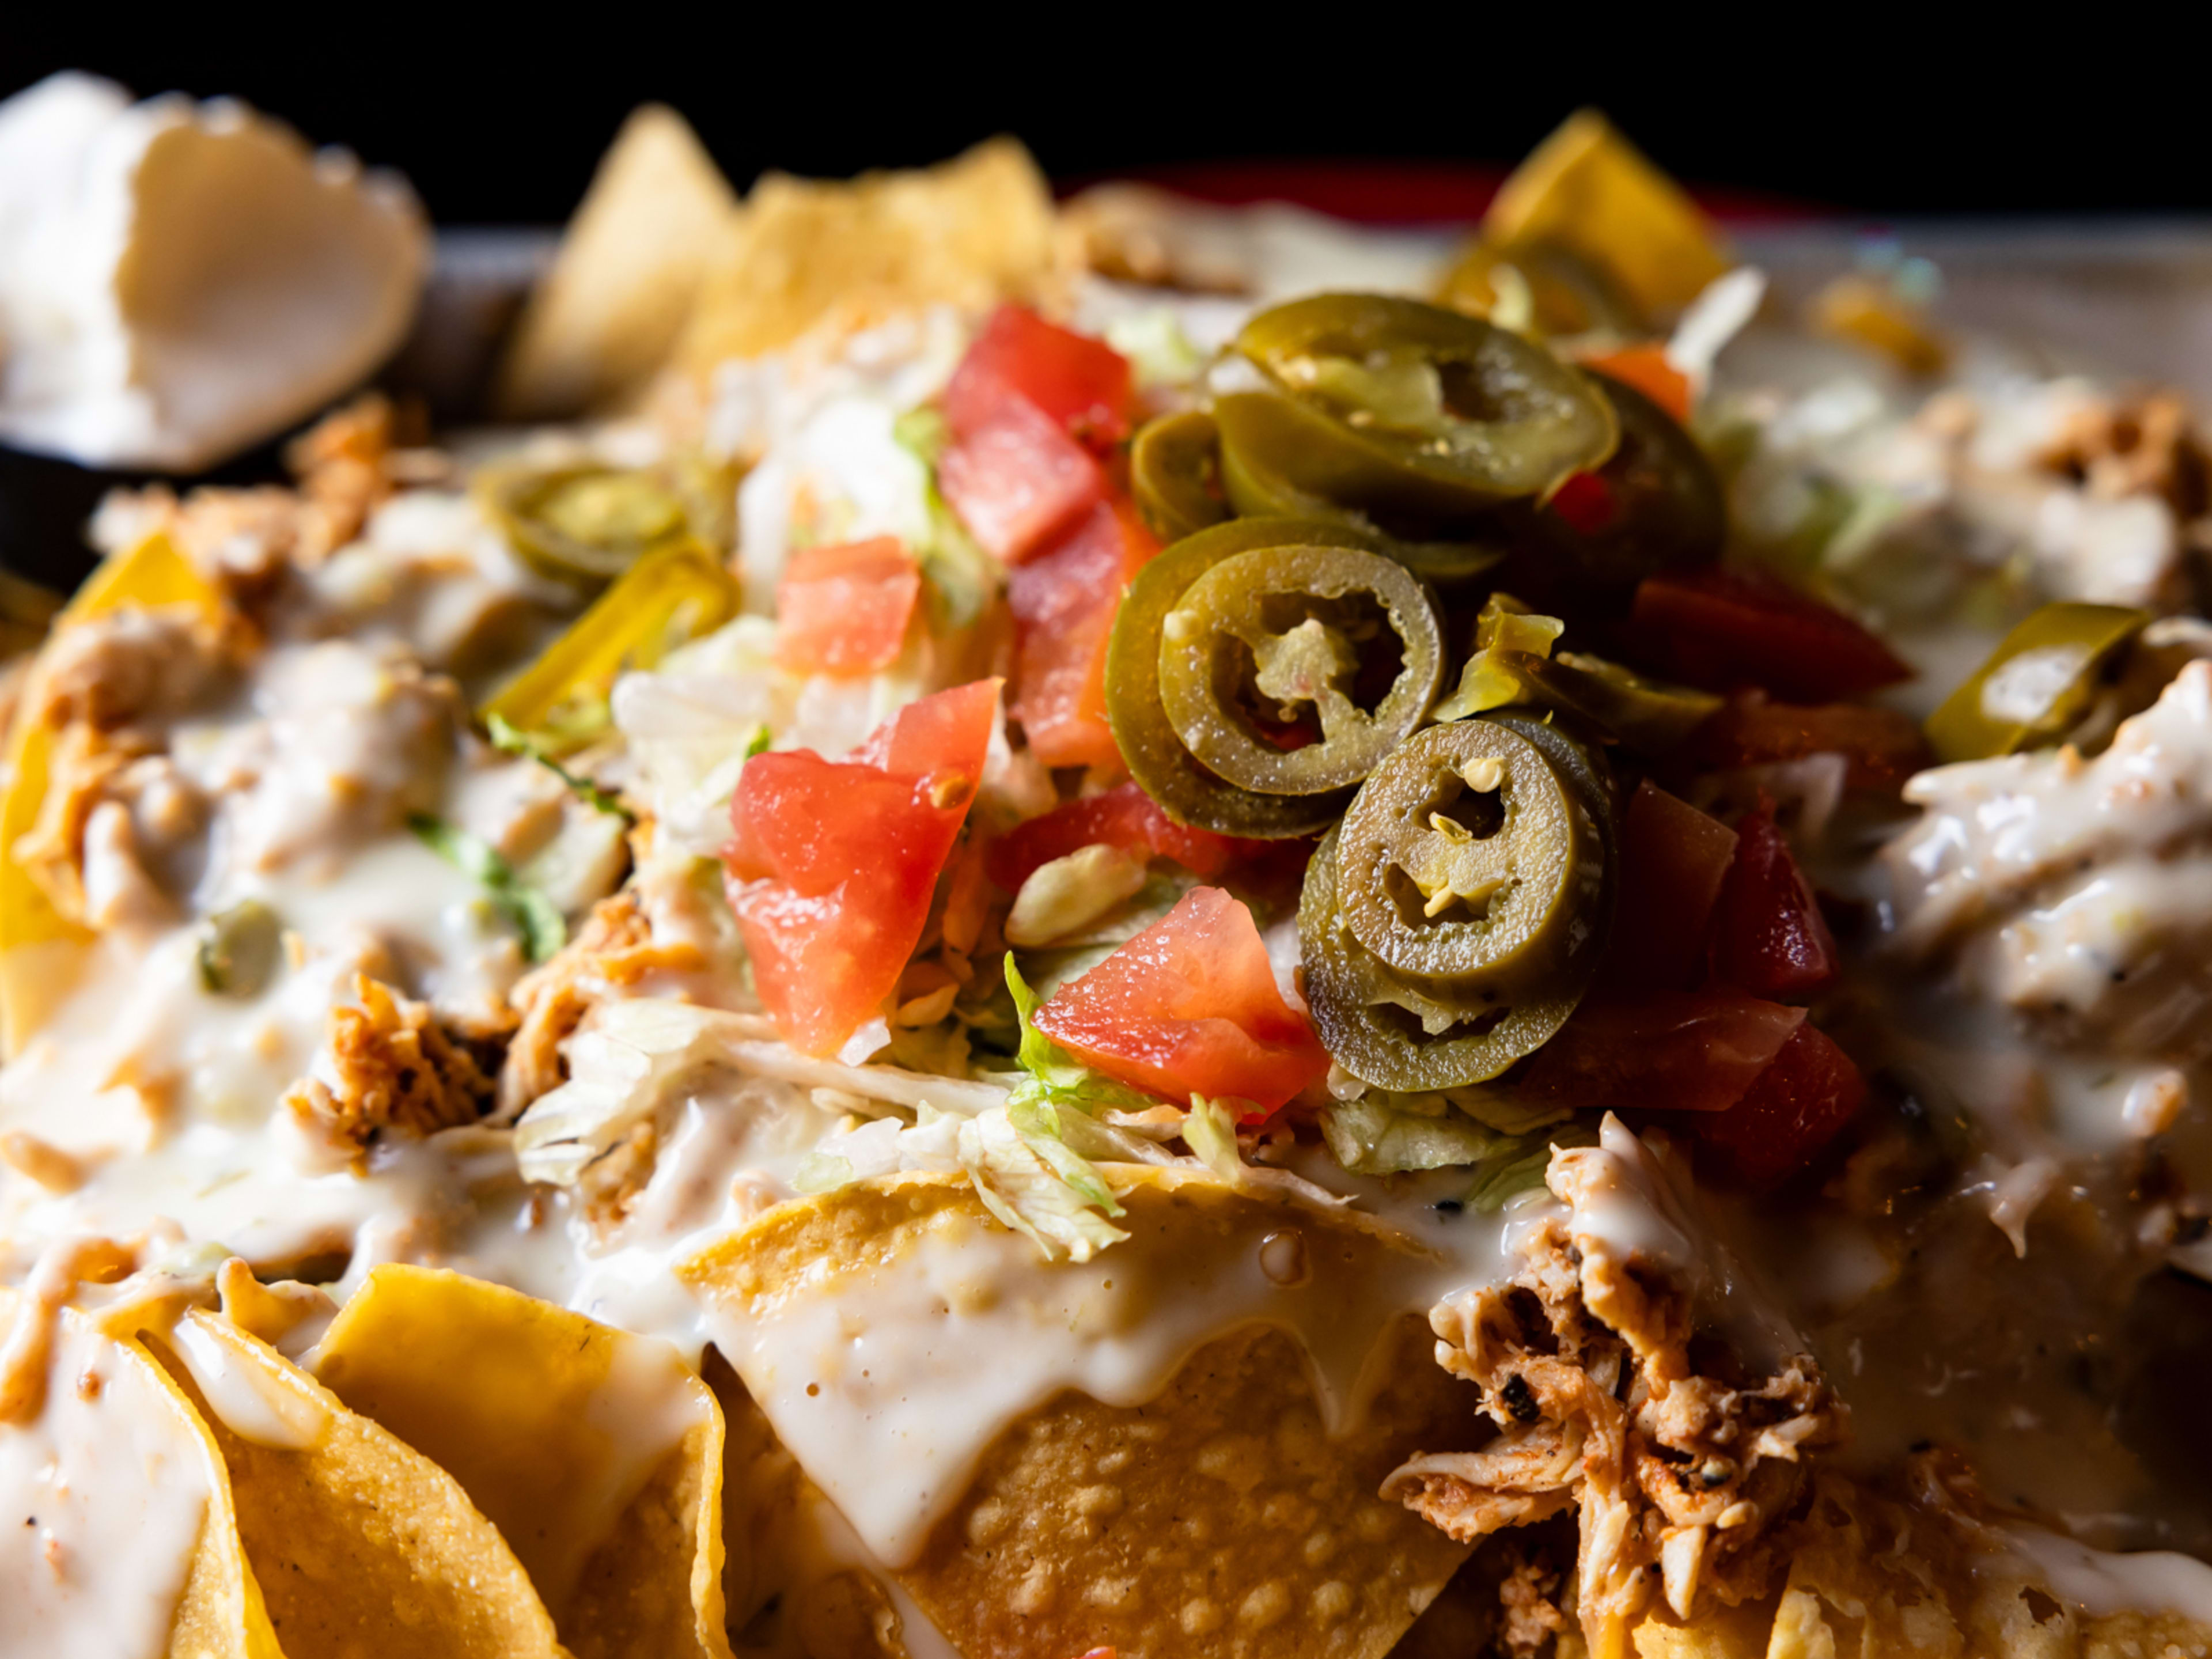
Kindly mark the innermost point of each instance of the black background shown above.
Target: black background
(2095, 111)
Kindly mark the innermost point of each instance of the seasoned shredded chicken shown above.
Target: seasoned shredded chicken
(615, 949)
(1585, 1363)
(112, 803)
(347, 465)
(391, 1066)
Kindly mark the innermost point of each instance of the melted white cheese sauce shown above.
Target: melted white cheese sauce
(101, 1502)
(2100, 1582)
(890, 1379)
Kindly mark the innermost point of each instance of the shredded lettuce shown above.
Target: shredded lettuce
(536, 917)
(962, 578)
(1034, 1184)
(1209, 1129)
(1372, 1136)
(1159, 352)
(509, 739)
(1056, 1076)
(1210, 1132)
(692, 723)
(617, 1072)
(1518, 1166)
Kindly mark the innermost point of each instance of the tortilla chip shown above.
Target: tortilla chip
(969, 232)
(629, 267)
(1218, 1517)
(598, 1454)
(220, 1613)
(362, 1547)
(1588, 189)
(761, 1485)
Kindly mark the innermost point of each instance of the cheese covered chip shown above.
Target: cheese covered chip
(1221, 1497)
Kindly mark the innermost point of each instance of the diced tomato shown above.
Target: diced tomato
(1676, 1052)
(1673, 860)
(1189, 1006)
(1646, 366)
(832, 864)
(1028, 405)
(1080, 383)
(1769, 937)
(1883, 746)
(845, 609)
(1587, 502)
(1123, 816)
(1017, 480)
(1063, 603)
(1723, 628)
(1794, 1109)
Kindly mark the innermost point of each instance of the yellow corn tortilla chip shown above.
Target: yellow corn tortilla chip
(219, 1613)
(629, 269)
(41, 951)
(598, 1454)
(806, 253)
(1219, 1517)
(1588, 189)
(362, 1547)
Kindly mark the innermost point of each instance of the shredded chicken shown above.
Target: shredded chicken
(103, 685)
(2143, 445)
(1532, 1601)
(615, 948)
(113, 670)
(390, 1067)
(347, 466)
(1585, 1363)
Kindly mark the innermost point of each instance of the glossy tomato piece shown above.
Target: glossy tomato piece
(1674, 860)
(1080, 383)
(1721, 628)
(1017, 480)
(1796, 1106)
(1123, 816)
(1189, 1006)
(845, 609)
(1587, 502)
(1678, 1052)
(832, 864)
(1883, 747)
(1769, 937)
(1063, 604)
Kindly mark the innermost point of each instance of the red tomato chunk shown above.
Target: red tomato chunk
(1063, 603)
(1684, 1052)
(845, 609)
(1673, 860)
(832, 864)
(1019, 481)
(1796, 1109)
(1123, 816)
(1026, 407)
(1769, 937)
(1081, 384)
(1190, 1006)
(1724, 629)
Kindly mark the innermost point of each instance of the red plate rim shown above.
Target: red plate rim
(1396, 193)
